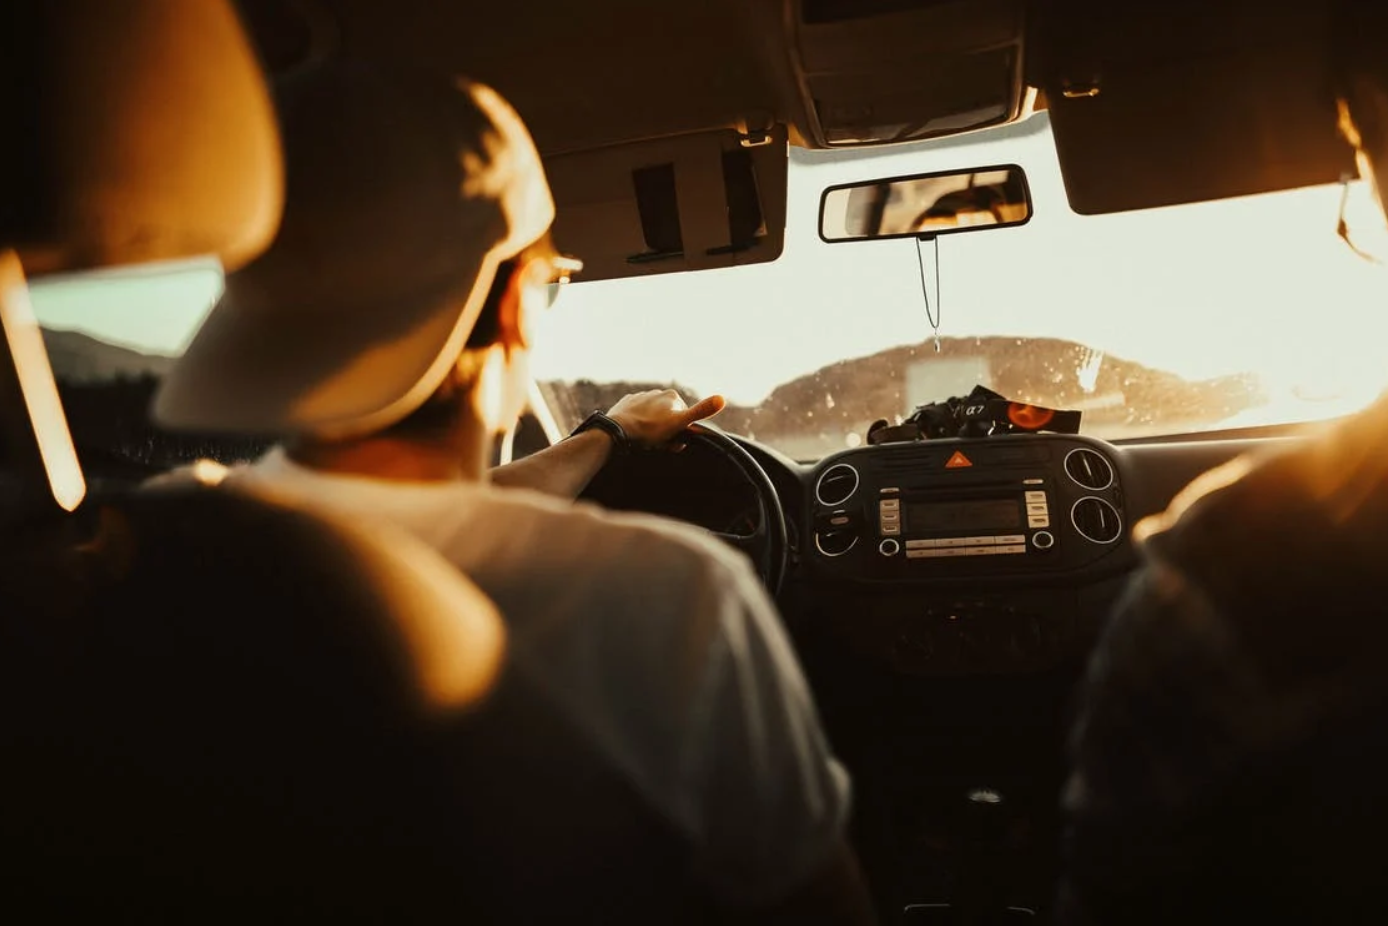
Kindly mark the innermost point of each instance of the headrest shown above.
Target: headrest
(145, 131)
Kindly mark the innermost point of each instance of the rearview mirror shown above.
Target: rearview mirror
(919, 205)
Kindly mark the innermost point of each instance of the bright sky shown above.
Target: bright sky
(154, 308)
(1253, 284)
(1256, 284)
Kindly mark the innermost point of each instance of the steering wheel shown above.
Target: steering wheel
(766, 545)
(626, 483)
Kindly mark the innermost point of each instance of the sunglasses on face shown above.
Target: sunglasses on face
(552, 273)
(562, 268)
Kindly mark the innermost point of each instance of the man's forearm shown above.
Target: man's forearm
(562, 469)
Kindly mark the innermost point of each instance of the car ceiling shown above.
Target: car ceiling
(625, 70)
(1151, 103)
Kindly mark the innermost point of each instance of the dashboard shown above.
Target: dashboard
(943, 597)
(950, 557)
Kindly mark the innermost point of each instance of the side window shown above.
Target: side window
(111, 336)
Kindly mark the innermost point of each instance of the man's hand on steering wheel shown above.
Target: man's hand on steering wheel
(657, 417)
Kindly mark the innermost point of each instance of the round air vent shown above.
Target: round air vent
(1096, 520)
(835, 543)
(1089, 468)
(836, 485)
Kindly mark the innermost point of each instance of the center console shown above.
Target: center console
(955, 588)
(950, 557)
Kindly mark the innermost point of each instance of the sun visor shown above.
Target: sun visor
(1163, 104)
(135, 131)
(689, 202)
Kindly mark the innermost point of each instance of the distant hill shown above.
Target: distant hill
(814, 412)
(806, 416)
(80, 358)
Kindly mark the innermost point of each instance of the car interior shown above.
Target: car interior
(944, 551)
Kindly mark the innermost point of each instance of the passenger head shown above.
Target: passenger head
(1359, 62)
(413, 251)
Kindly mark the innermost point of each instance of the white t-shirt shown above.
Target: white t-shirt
(657, 639)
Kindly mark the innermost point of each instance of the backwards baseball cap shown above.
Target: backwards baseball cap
(404, 192)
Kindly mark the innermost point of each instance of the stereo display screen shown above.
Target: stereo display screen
(991, 514)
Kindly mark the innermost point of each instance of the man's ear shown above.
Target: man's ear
(513, 318)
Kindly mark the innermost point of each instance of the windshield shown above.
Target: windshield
(1242, 312)
(1235, 313)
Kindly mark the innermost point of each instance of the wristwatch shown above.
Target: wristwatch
(600, 421)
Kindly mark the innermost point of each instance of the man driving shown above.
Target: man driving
(384, 335)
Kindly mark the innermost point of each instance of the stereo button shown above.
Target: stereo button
(889, 547)
(1043, 540)
(1035, 496)
(889, 504)
(1011, 538)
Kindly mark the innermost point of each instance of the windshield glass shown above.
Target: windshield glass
(1235, 313)
(1242, 312)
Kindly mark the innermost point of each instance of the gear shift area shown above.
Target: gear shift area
(983, 825)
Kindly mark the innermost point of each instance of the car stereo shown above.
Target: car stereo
(936, 525)
(1009, 505)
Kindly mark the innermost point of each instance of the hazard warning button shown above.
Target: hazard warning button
(957, 460)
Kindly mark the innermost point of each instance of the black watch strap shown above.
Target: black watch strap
(601, 422)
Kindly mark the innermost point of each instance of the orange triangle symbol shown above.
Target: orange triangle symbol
(958, 460)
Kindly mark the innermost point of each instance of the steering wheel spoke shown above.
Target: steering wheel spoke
(766, 546)
(751, 544)
(760, 534)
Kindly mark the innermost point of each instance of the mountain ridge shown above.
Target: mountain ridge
(833, 406)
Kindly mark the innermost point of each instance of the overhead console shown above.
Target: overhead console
(881, 71)
(1020, 507)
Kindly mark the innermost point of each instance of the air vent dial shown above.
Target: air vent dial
(1089, 469)
(1096, 520)
(836, 485)
(835, 543)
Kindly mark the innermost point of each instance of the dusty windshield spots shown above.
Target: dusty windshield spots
(831, 408)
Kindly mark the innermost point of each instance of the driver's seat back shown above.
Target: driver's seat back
(229, 717)
(208, 718)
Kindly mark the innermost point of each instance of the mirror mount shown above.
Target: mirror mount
(924, 206)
